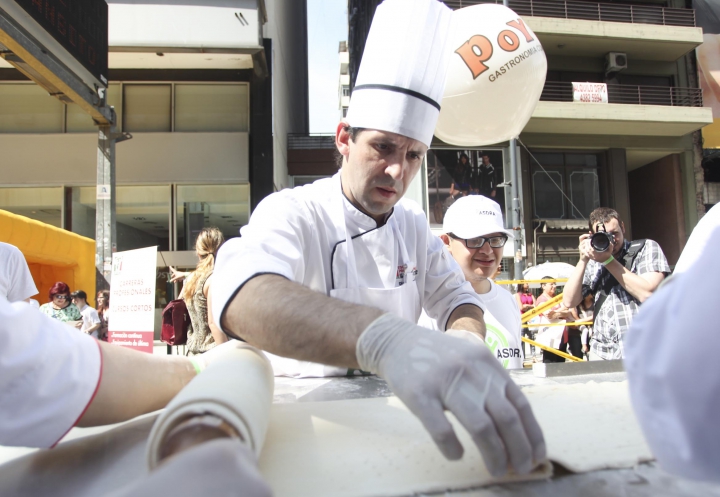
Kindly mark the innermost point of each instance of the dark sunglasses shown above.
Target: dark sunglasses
(61, 297)
(479, 241)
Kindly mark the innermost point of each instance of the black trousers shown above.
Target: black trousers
(575, 342)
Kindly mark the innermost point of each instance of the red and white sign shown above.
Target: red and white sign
(593, 93)
(132, 299)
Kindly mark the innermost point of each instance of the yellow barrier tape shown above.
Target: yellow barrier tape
(576, 323)
(522, 282)
(541, 308)
(550, 349)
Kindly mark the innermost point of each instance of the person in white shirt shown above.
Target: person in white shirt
(50, 382)
(474, 234)
(16, 282)
(333, 276)
(91, 321)
(673, 375)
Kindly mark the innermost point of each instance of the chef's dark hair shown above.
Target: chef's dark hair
(353, 132)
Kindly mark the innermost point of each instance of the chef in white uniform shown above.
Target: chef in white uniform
(53, 378)
(474, 234)
(674, 379)
(336, 273)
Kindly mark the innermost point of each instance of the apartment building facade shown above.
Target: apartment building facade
(640, 153)
(209, 92)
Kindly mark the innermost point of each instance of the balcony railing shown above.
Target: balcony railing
(557, 91)
(573, 9)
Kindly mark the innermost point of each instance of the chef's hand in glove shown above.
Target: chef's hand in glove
(219, 467)
(432, 372)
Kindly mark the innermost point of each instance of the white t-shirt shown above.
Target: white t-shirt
(16, 282)
(90, 318)
(698, 240)
(503, 326)
(48, 375)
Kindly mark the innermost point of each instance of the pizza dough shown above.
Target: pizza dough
(373, 447)
(362, 447)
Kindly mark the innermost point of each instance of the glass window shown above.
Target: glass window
(203, 107)
(146, 108)
(586, 160)
(142, 215)
(27, 108)
(549, 202)
(79, 122)
(584, 193)
(41, 204)
(226, 207)
(549, 159)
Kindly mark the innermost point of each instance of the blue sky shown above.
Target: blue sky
(327, 27)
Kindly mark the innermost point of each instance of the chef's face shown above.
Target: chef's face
(476, 263)
(377, 169)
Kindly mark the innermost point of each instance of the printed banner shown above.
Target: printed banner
(707, 13)
(594, 93)
(132, 299)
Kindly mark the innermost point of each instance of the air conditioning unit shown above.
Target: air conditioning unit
(615, 62)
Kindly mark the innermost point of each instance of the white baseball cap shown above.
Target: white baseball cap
(473, 216)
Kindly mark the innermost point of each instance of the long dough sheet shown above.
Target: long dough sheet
(365, 447)
(374, 447)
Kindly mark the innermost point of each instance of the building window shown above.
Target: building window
(27, 108)
(345, 91)
(211, 107)
(142, 215)
(226, 207)
(345, 111)
(41, 204)
(567, 188)
(146, 108)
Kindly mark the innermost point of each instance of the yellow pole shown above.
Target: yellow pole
(541, 308)
(550, 349)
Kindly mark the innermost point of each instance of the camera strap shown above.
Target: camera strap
(626, 260)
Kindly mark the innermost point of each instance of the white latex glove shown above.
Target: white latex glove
(431, 372)
(218, 468)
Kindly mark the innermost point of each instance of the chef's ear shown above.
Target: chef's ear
(342, 138)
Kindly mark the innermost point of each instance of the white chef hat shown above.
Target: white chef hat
(402, 74)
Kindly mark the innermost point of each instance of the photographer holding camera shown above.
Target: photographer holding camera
(621, 274)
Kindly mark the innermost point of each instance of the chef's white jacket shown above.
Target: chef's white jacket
(672, 366)
(49, 373)
(299, 234)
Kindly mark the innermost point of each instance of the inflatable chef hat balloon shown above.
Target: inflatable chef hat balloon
(402, 73)
(495, 77)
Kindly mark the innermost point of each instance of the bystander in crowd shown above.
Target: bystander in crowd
(60, 306)
(91, 321)
(103, 309)
(620, 273)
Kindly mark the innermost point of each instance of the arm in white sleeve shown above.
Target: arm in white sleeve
(445, 285)
(271, 243)
(674, 381)
(49, 374)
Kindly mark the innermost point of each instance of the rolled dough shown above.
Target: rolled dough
(237, 388)
(365, 447)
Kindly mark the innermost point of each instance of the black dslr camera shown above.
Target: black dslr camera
(601, 239)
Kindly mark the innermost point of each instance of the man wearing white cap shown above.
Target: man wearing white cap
(334, 275)
(474, 234)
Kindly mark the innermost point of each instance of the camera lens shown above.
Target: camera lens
(600, 241)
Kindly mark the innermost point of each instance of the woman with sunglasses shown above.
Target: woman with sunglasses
(61, 307)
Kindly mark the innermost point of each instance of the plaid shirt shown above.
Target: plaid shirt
(616, 313)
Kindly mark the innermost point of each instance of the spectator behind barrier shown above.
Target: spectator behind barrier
(60, 306)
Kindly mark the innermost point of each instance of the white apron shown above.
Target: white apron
(403, 301)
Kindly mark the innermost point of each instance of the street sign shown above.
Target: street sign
(80, 26)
